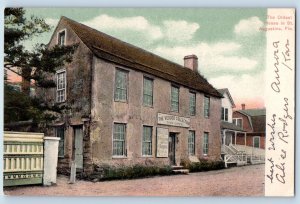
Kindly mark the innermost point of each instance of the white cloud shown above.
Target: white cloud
(138, 27)
(138, 24)
(179, 31)
(242, 88)
(248, 27)
(51, 21)
(212, 58)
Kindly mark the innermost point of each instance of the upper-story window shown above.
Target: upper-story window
(174, 99)
(206, 106)
(224, 114)
(192, 103)
(238, 122)
(121, 82)
(148, 92)
(62, 37)
(61, 86)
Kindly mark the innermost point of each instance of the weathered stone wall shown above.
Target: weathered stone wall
(78, 75)
(105, 111)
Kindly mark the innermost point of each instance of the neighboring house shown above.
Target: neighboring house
(253, 121)
(229, 130)
(129, 106)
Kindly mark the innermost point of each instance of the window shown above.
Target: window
(206, 106)
(60, 132)
(174, 99)
(119, 139)
(224, 114)
(148, 92)
(191, 142)
(205, 143)
(238, 122)
(192, 103)
(121, 85)
(256, 141)
(61, 86)
(147, 141)
(61, 38)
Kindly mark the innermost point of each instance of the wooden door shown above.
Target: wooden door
(172, 137)
(78, 146)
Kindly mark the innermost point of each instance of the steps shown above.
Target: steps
(179, 170)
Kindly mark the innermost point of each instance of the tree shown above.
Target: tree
(34, 66)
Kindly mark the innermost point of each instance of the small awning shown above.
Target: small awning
(231, 126)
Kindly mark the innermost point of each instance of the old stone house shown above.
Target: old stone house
(129, 106)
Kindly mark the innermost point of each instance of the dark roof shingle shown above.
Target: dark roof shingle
(259, 123)
(254, 112)
(119, 52)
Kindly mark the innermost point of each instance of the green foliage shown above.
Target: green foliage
(203, 165)
(128, 172)
(34, 66)
(16, 105)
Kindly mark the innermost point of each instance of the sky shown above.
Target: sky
(230, 47)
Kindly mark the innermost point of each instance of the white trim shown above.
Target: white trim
(224, 113)
(194, 153)
(65, 88)
(152, 80)
(125, 141)
(152, 127)
(242, 123)
(258, 141)
(57, 36)
(209, 113)
(121, 69)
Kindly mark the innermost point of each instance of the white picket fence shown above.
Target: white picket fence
(23, 159)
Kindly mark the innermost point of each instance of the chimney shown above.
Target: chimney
(191, 62)
(243, 106)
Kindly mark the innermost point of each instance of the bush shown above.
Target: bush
(106, 172)
(203, 165)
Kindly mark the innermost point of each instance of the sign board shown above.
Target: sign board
(162, 140)
(173, 120)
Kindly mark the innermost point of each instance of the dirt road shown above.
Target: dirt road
(236, 181)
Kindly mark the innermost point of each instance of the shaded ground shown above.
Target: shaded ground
(236, 181)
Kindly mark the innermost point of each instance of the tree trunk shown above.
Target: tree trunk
(25, 86)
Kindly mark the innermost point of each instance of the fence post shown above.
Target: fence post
(50, 160)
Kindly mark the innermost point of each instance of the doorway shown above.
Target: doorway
(78, 146)
(172, 145)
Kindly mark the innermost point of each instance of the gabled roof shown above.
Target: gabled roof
(119, 52)
(257, 118)
(225, 90)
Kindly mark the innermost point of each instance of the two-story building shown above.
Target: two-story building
(128, 106)
(253, 121)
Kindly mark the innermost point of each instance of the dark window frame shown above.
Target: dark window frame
(118, 140)
(145, 95)
(117, 97)
(174, 101)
